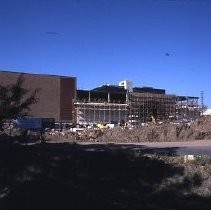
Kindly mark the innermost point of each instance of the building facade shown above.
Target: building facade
(110, 103)
(55, 96)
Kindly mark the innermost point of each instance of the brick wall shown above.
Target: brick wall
(68, 93)
(55, 93)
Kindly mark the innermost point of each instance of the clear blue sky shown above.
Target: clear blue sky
(159, 43)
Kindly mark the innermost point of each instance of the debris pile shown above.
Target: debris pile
(197, 130)
(147, 132)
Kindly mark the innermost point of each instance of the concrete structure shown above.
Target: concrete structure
(128, 85)
(104, 104)
(56, 94)
(112, 103)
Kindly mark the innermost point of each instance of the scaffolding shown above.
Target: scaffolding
(91, 112)
(144, 107)
(187, 108)
(136, 108)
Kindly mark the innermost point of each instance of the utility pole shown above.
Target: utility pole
(202, 103)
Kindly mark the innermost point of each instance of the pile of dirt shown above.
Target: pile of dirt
(197, 130)
(165, 132)
(90, 134)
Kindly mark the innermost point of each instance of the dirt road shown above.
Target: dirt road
(201, 147)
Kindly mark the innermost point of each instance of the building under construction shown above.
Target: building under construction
(107, 104)
(59, 99)
(122, 103)
(188, 108)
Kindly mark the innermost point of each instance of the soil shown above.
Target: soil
(197, 130)
(166, 132)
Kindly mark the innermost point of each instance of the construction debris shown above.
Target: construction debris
(147, 132)
(126, 133)
(198, 130)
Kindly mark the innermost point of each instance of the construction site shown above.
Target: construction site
(122, 103)
(117, 104)
(135, 113)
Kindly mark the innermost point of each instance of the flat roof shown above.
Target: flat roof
(183, 98)
(36, 74)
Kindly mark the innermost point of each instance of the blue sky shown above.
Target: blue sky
(158, 43)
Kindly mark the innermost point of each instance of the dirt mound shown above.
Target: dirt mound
(197, 130)
(166, 132)
(90, 135)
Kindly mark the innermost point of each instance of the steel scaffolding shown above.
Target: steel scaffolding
(100, 112)
(144, 107)
(187, 108)
(134, 107)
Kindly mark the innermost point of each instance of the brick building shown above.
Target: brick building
(56, 94)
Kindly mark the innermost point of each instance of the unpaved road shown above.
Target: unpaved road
(201, 147)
